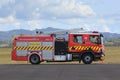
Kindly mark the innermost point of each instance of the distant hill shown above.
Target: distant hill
(108, 35)
(49, 29)
(6, 36)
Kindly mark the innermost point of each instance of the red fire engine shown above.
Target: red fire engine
(85, 47)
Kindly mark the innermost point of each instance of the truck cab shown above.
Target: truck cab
(87, 47)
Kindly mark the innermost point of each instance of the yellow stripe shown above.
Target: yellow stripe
(19, 48)
(48, 48)
(79, 48)
(88, 47)
(31, 48)
(85, 47)
(70, 48)
(41, 48)
(25, 48)
(93, 47)
(34, 48)
(99, 48)
(82, 48)
(14, 48)
(45, 48)
(76, 47)
(96, 48)
(52, 48)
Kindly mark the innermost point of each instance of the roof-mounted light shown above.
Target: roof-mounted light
(95, 32)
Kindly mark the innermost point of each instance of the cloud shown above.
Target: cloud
(87, 27)
(4, 2)
(69, 9)
(102, 25)
(10, 21)
(106, 28)
(46, 9)
(101, 21)
(17, 24)
(32, 14)
(7, 19)
(33, 24)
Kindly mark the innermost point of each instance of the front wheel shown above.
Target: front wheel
(34, 59)
(87, 58)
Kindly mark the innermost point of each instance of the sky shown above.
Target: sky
(93, 15)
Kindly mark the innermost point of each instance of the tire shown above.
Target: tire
(34, 59)
(87, 58)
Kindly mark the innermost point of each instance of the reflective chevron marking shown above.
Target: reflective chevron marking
(32, 48)
(84, 48)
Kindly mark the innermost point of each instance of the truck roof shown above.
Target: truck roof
(87, 33)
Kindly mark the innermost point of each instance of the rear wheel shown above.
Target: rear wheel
(34, 59)
(87, 58)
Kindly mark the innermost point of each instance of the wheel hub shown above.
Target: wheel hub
(87, 58)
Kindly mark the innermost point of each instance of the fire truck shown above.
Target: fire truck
(85, 47)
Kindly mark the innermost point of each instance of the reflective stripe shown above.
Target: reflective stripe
(84, 48)
(32, 48)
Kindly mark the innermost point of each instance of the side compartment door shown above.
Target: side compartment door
(48, 51)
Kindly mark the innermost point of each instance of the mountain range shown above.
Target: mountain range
(8, 35)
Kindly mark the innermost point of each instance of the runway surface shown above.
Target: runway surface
(60, 72)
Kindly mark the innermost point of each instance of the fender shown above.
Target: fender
(39, 53)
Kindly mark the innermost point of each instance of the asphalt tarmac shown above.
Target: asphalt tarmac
(60, 72)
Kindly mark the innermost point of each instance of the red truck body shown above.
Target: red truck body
(76, 46)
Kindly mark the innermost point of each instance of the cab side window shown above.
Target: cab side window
(78, 39)
(94, 39)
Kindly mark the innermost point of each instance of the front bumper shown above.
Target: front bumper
(102, 58)
(99, 56)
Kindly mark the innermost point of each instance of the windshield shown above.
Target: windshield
(94, 39)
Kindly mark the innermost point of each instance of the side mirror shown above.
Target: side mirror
(101, 35)
(99, 41)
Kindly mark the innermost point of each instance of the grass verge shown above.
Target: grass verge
(112, 57)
